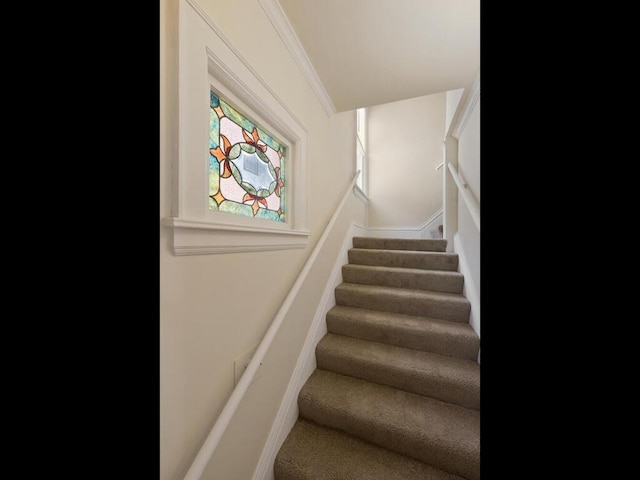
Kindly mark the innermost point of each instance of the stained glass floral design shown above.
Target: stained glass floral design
(246, 165)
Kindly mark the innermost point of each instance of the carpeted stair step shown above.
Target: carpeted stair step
(404, 259)
(449, 379)
(435, 280)
(313, 452)
(442, 306)
(440, 434)
(419, 244)
(455, 339)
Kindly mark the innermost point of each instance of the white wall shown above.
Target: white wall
(405, 147)
(469, 152)
(214, 308)
(453, 98)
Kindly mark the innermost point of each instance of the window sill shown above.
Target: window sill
(191, 237)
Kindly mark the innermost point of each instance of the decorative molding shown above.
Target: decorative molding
(210, 250)
(202, 238)
(234, 83)
(195, 224)
(470, 290)
(196, 6)
(197, 230)
(287, 33)
(404, 232)
(468, 101)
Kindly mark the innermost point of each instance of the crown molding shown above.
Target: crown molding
(284, 28)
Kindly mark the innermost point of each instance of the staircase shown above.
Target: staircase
(396, 392)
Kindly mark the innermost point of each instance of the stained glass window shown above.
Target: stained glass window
(247, 174)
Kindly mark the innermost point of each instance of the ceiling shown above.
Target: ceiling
(370, 52)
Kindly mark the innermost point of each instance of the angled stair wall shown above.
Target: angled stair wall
(396, 392)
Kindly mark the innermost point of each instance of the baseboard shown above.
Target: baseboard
(470, 291)
(428, 229)
(306, 363)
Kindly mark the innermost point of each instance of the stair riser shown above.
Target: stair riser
(435, 281)
(426, 244)
(463, 390)
(454, 311)
(423, 260)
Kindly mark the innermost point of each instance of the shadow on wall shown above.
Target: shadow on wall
(437, 233)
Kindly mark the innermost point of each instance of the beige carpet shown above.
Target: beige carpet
(396, 394)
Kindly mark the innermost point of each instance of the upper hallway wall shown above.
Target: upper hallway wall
(404, 149)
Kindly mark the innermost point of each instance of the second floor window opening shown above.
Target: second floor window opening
(361, 148)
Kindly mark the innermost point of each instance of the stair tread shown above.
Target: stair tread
(438, 433)
(454, 307)
(406, 253)
(402, 291)
(420, 333)
(450, 379)
(313, 452)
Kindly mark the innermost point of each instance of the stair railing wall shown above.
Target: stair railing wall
(209, 446)
(453, 186)
(456, 190)
(469, 200)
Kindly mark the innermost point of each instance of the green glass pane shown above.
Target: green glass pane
(213, 205)
(214, 129)
(268, 139)
(272, 187)
(214, 175)
(248, 188)
(237, 208)
(236, 117)
(236, 173)
(263, 192)
(272, 171)
(268, 214)
(214, 100)
(283, 199)
(247, 148)
(262, 156)
(234, 152)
